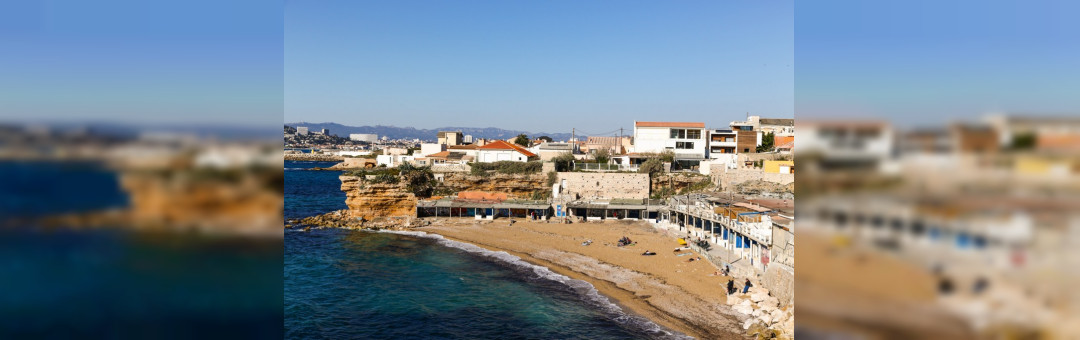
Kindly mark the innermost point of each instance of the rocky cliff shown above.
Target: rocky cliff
(369, 200)
(372, 201)
(516, 186)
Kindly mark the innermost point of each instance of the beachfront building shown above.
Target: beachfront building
(502, 151)
(687, 140)
(759, 235)
(851, 145)
(483, 206)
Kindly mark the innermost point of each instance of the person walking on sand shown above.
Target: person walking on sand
(747, 286)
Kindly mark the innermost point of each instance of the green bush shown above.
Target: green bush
(551, 178)
(653, 167)
(507, 167)
(563, 162)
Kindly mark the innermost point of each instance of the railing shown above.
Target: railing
(605, 167)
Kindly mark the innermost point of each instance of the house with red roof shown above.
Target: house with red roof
(503, 151)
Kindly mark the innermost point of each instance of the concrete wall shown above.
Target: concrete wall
(730, 177)
(774, 167)
(779, 277)
(604, 185)
(488, 156)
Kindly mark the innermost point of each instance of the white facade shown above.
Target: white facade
(431, 148)
(489, 156)
(393, 160)
(686, 142)
(302, 130)
(364, 137)
(847, 140)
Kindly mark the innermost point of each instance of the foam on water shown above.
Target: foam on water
(579, 287)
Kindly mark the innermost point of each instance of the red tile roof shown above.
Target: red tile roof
(440, 154)
(463, 147)
(669, 124)
(781, 140)
(503, 145)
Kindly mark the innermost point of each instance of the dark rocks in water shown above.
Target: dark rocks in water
(342, 219)
(306, 229)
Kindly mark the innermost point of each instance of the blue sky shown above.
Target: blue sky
(142, 62)
(537, 65)
(920, 63)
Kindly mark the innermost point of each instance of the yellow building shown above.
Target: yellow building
(779, 167)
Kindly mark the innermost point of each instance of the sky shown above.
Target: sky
(537, 65)
(163, 62)
(921, 63)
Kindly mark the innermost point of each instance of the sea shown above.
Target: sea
(65, 283)
(342, 284)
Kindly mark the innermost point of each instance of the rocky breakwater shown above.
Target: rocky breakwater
(766, 316)
(313, 157)
(514, 185)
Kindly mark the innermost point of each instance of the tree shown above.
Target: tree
(766, 143)
(602, 156)
(545, 138)
(653, 167)
(667, 156)
(563, 162)
(1023, 141)
(522, 140)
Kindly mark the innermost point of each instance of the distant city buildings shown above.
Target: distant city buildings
(364, 137)
(301, 130)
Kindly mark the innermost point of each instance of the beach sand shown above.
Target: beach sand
(680, 295)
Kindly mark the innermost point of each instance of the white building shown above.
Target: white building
(302, 130)
(687, 140)
(468, 139)
(721, 142)
(503, 151)
(866, 143)
(364, 137)
(393, 160)
(431, 148)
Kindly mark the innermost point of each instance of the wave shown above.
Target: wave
(584, 289)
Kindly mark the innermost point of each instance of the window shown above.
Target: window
(684, 145)
(685, 134)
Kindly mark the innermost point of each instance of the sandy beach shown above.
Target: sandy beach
(684, 296)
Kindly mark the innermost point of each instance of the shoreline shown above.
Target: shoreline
(622, 298)
(670, 292)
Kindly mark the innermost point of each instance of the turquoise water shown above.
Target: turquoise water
(356, 284)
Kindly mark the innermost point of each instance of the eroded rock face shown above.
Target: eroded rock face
(377, 200)
(516, 186)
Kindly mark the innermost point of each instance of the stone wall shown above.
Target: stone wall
(779, 277)
(587, 185)
(728, 178)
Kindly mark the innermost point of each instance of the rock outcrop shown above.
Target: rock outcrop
(515, 186)
(369, 201)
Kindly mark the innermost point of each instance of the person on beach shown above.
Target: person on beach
(730, 286)
(747, 286)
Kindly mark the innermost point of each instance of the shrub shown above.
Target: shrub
(653, 167)
(563, 162)
(507, 167)
(551, 178)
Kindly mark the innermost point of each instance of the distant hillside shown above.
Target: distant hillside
(393, 132)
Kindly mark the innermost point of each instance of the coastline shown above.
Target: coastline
(665, 289)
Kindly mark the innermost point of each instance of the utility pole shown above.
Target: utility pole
(573, 140)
